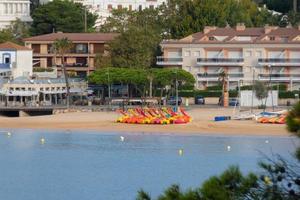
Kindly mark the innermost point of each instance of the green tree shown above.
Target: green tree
(261, 91)
(15, 32)
(61, 47)
(135, 48)
(61, 15)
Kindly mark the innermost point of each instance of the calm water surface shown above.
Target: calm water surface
(74, 165)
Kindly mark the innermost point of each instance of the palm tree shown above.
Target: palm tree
(63, 46)
(223, 78)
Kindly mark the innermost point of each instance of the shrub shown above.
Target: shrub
(40, 69)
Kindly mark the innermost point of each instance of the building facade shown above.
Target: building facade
(10, 10)
(15, 60)
(80, 61)
(270, 54)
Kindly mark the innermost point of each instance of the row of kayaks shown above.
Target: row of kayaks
(154, 116)
(272, 117)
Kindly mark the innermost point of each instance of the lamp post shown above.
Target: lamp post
(270, 84)
(176, 88)
(108, 84)
(252, 97)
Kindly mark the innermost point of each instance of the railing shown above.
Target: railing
(166, 60)
(220, 60)
(216, 75)
(279, 60)
(4, 65)
(279, 76)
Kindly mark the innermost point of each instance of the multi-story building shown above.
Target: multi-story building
(103, 8)
(270, 54)
(80, 60)
(10, 10)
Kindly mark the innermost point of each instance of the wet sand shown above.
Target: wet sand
(105, 121)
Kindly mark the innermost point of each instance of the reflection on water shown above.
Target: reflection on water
(100, 166)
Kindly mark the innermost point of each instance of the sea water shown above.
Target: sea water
(114, 166)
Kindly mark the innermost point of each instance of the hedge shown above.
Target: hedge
(288, 94)
(205, 93)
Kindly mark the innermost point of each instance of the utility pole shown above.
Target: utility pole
(85, 20)
(295, 5)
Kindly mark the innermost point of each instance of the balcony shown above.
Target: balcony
(220, 61)
(168, 61)
(279, 77)
(4, 66)
(279, 62)
(215, 76)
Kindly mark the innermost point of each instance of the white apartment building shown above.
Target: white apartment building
(103, 8)
(10, 10)
(270, 54)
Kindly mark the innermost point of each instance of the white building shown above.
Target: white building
(270, 54)
(15, 60)
(103, 8)
(10, 10)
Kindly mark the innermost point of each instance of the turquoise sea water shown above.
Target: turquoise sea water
(87, 165)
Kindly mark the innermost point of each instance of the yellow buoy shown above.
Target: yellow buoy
(42, 140)
(180, 152)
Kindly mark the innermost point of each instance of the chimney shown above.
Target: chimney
(207, 29)
(240, 27)
(268, 29)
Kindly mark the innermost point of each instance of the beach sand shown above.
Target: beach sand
(105, 121)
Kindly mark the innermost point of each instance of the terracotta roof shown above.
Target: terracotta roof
(257, 35)
(74, 37)
(13, 46)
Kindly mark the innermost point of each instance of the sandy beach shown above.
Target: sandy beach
(105, 121)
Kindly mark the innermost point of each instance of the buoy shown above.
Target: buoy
(42, 140)
(122, 138)
(8, 134)
(228, 148)
(267, 141)
(180, 152)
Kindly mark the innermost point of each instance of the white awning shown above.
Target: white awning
(21, 93)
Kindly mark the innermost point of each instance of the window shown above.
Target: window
(140, 7)
(151, 7)
(197, 53)
(109, 7)
(187, 53)
(119, 7)
(248, 53)
(130, 8)
(272, 38)
(7, 60)
(258, 54)
(211, 38)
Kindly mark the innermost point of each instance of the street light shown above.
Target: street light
(108, 83)
(176, 88)
(270, 84)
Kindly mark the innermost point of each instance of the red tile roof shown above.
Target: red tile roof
(257, 35)
(99, 37)
(13, 46)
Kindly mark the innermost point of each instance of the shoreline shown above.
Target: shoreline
(202, 124)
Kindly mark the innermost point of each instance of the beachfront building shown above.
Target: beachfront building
(15, 60)
(25, 91)
(80, 61)
(270, 54)
(10, 10)
(19, 86)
